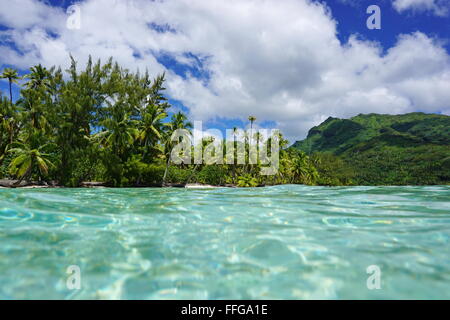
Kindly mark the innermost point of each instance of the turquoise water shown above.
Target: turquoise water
(284, 242)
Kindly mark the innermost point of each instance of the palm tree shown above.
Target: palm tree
(8, 126)
(251, 119)
(27, 159)
(7, 113)
(235, 155)
(178, 122)
(150, 129)
(300, 168)
(36, 95)
(38, 78)
(116, 141)
(119, 134)
(202, 146)
(303, 170)
(12, 76)
(258, 139)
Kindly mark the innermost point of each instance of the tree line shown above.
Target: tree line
(106, 123)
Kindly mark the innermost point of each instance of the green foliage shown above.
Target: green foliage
(333, 171)
(213, 175)
(105, 123)
(177, 175)
(141, 173)
(108, 124)
(30, 158)
(12, 76)
(339, 135)
(247, 181)
(392, 165)
(375, 149)
(97, 118)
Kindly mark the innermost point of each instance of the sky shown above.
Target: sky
(290, 63)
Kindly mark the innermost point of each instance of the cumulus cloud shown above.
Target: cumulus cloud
(279, 61)
(437, 7)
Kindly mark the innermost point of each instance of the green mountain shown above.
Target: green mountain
(382, 149)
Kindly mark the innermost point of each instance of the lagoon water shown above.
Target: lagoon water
(283, 242)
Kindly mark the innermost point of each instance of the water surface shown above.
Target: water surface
(284, 242)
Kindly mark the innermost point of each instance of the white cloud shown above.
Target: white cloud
(22, 14)
(279, 61)
(437, 7)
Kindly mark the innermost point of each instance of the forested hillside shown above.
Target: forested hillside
(411, 148)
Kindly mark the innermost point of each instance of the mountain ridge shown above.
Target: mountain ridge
(412, 148)
(330, 135)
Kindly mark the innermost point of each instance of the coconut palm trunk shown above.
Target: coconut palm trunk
(25, 177)
(251, 119)
(12, 76)
(235, 154)
(10, 90)
(165, 172)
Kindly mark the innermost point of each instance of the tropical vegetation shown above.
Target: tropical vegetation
(106, 123)
(376, 149)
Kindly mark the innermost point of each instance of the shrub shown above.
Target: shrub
(247, 181)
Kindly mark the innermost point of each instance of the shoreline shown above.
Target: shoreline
(10, 184)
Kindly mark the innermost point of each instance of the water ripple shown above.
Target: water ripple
(283, 242)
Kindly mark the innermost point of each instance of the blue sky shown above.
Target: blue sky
(291, 63)
(352, 19)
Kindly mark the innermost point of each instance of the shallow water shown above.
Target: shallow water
(284, 242)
